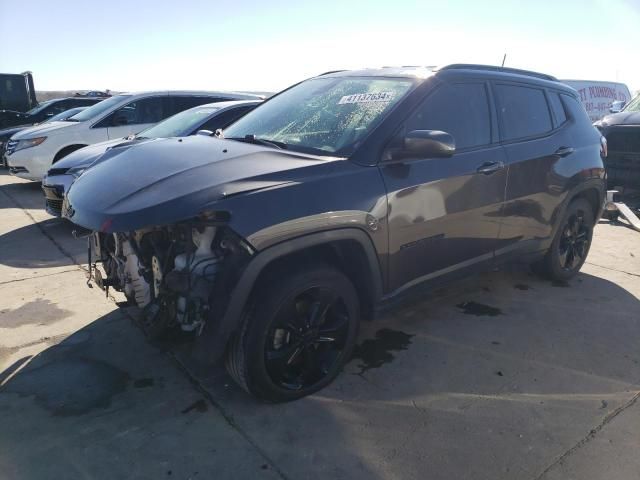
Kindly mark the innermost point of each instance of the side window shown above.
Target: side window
(225, 119)
(576, 110)
(181, 103)
(147, 110)
(459, 109)
(524, 111)
(557, 108)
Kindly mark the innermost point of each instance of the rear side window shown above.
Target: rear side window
(181, 103)
(225, 119)
(557, 108)
(523, 111)
(459, 109)
(576, 110)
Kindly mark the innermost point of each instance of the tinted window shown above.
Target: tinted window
(100, 108)
(524, 111)
(225, 118)
(576, 111)
(147, 110)
(461, 110)
(557, 108)
(179, 104)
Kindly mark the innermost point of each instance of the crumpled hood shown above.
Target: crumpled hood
(163, 181)
(42, 129)
(622, 118)
(87, 155)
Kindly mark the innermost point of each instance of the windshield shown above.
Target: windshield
(40, 107)
(633, 105)
(99, 108)
(66, 114)
(322, 115)
(180, 124)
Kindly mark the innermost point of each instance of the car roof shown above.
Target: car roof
(207, 93)
(422, 73)
(228, 104)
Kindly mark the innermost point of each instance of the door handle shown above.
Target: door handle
(564, 151)
(487, 168)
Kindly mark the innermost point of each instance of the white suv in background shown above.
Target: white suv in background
(31, 152)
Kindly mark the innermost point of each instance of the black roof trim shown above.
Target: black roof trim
(493, 68)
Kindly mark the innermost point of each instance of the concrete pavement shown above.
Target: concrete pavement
(499, 376)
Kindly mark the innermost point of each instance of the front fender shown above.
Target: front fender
(213, 341)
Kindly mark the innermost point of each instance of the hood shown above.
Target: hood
(42, 129)
(622, 118)
(87, 155)
(164, 181)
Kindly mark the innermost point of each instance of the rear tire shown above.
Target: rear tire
(571, 244)
(297, 335)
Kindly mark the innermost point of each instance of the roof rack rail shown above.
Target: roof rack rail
(330, 72)
(493, 68)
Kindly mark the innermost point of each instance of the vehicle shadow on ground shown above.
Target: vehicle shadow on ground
(27, 247)
(451, 384)
(444, 384)
(27, 194)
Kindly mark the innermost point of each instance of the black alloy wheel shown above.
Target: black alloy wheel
(297, 334)
(307, 338)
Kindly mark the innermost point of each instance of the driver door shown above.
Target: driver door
(444, 213)
(135, 117)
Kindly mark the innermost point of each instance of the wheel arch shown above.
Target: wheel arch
(332, 247)
(63, 152)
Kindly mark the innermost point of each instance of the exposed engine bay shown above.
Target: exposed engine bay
(176, 273)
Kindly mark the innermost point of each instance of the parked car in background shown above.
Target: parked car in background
(336, 197)
(31, 152)
(599, 98)
(7, 133)
(622, 131)
(204, 119)
(45, 110)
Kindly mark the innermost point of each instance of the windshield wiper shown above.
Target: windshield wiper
(71, 120)
(259, 141)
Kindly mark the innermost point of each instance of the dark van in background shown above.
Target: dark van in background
(17, 92)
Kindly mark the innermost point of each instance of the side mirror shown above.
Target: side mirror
(206, 133)
(425, 144)
(617, 106)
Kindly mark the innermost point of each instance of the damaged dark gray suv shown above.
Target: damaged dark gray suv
(333, 199)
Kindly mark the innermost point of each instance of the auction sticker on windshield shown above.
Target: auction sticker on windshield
(367, 98)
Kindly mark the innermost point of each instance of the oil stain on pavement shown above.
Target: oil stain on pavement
(479, 309)
(37, 312)
(71, 386)
(375, 352)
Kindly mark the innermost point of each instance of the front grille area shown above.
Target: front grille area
(623, 161)
(11, 146)
(15, 170)
(54, 207)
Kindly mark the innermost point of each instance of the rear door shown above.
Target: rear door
(444, 213)
(536, 138)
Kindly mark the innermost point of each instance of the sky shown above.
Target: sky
(267, 46)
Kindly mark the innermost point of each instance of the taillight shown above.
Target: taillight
(604, 150)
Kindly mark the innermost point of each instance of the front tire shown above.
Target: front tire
(572, 242)
(297, 335)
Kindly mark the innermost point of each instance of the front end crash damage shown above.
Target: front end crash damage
(180, 275)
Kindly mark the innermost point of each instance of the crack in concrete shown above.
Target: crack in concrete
(592, 433)
(226, 416)
(613, 269)
(38, 276)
